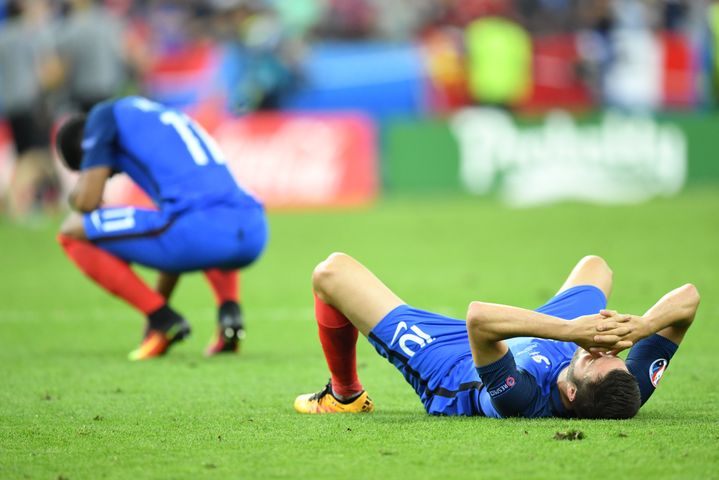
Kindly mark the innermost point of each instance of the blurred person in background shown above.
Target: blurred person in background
(634, 77)
(675, 14)
(263, 51)
(29, 72)
(204, 220)
(714, 62)
(348, 20)
(595, 22)
(499, 56)
(402, 19)
(91, 47)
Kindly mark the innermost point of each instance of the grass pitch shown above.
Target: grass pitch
(73, 407)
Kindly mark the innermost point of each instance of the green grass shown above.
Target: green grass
(72, 406)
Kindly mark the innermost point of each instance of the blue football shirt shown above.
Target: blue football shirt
(524, 381)
(166, 153)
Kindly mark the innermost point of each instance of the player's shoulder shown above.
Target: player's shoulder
(103, 111)
(101, 121)
(135, 103)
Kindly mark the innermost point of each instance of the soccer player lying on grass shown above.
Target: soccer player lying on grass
(203, 221)
(504, 361)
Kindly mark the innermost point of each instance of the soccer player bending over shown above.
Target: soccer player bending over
(503, 361)
(203, 221)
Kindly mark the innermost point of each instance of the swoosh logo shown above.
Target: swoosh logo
(401, 327)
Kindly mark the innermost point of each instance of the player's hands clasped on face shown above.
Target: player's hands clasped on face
(602, 333)
(631, 328)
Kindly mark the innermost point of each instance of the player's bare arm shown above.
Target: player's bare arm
(85, 197)
(670, 317)
(489, 324)
(87, 194)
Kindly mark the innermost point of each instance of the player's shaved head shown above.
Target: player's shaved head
(68, 141)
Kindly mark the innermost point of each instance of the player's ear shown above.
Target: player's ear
(570, 391)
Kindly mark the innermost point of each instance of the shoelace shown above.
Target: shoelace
(325, 391)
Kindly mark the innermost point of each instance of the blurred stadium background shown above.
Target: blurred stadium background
(333, 102)
(404, 132)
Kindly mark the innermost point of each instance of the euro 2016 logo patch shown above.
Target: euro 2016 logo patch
(656, 370)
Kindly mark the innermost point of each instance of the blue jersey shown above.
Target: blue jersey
(432, 353)
(167, 154)
(205, 220)
(529, 371)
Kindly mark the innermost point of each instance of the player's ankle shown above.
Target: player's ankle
(228, 304)
(162, 318)
(347, 396)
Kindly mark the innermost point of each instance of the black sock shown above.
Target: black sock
(162, 318)
(230, 314)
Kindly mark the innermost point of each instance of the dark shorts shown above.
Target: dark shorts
(30, 130)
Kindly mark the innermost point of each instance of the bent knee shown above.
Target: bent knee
(73, 227)
(597, 263)
(326, 272)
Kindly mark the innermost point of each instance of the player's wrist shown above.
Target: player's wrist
(571, 332)
(649, 325)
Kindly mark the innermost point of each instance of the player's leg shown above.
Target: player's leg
(114, 274)
(348, 298)
(584, 292)
(349, 287)
(590, 270)
(230, 325)
(166, 283)
(219, 240)
(223, 240)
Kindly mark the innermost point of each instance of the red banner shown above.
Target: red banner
(299, 160)
(7, 155)
(557, 82)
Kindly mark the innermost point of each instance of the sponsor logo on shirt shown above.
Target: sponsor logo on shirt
(508, 383)
(656, 370)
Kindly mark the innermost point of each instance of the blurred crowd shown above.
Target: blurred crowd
(58, 56)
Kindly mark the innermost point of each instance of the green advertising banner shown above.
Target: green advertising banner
(420, 156)
(605, 158)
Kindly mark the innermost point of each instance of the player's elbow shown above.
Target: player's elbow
(692, 296)
(692, 293)
(83, 203)
(474, 312)
(478, 326)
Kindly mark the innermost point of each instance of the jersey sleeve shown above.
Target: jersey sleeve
(647, 361)
(99, 142)
(513, 391)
